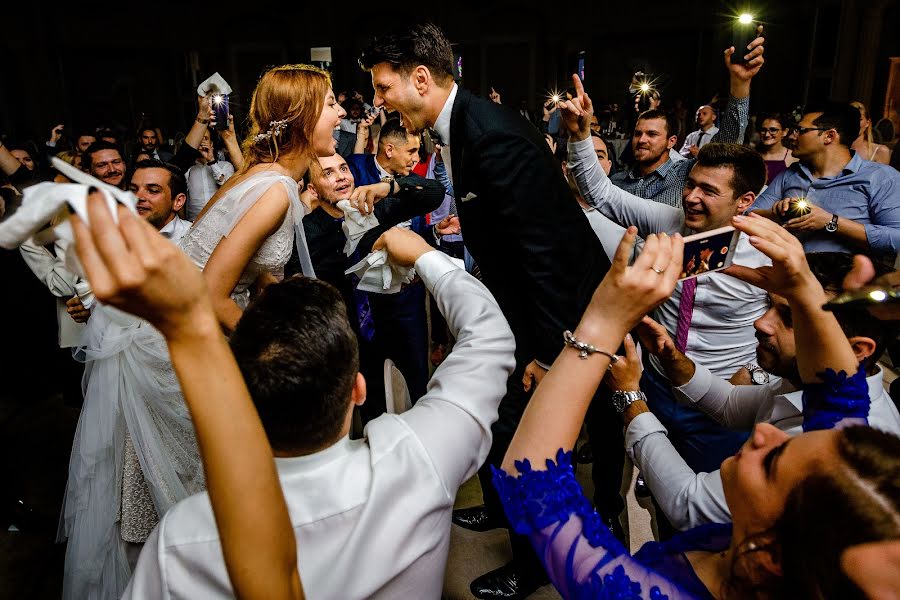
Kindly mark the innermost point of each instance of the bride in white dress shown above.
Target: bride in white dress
(134, 453)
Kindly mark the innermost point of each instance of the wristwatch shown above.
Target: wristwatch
(622, 400)
(832, 225)
(757, 375)
(389, 179)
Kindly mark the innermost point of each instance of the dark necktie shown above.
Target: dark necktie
(685, 312)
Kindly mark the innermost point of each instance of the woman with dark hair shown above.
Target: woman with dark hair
(771, 135)
(796, 503)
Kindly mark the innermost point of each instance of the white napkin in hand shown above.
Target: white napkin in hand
(44, 200)
(377, 274)
(355, 225)
(215, 83)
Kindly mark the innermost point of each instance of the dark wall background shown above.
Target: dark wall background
(78, 65)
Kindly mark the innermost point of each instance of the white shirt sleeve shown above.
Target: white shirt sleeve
(49, 269)
(687, 498)
(615, 203)
(734, 406)
(147, 579)
(689, 140)
(453, 419)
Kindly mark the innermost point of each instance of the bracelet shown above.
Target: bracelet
(584, 348)
(202, 121)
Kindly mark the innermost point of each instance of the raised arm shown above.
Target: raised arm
(734, 122)
(133, 268)
(616, 204)
(9, 164)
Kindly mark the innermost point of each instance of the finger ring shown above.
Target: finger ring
(658, 270)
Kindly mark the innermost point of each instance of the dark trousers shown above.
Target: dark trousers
(401, 333)
(607, 439)
(702, 442)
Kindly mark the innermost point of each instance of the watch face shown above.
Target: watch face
(759, 376)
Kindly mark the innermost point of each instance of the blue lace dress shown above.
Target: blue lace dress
(582, 557)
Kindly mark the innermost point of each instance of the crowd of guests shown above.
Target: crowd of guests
(249, 300)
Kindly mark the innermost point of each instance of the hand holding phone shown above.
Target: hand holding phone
(220, 109)
(708, 251)
(743, 31)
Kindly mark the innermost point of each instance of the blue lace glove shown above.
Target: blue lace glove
(836, 402)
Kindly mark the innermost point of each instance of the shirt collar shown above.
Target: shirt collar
(442, 124)
(381, 170)
(661, 170)
(297, 464)
(171, 228)
(855, 164)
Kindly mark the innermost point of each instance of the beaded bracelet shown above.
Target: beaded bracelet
(584, 348)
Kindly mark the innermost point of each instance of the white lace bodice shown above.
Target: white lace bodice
(222, 217)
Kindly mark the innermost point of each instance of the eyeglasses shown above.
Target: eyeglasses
(802, 130)
(770, 129)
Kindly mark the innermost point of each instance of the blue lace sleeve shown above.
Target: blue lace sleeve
(582, 557)
(837, 402)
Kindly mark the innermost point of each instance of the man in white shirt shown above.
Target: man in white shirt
(161, 192)
(714, 323)
(371, 516)
(706, 119)
(689, 498)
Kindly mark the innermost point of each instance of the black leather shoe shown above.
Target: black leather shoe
(504, 582)
(640, 488)
(475, 519)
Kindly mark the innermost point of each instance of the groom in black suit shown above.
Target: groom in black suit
(537, 253)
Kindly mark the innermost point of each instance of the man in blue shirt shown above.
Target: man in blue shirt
(853, 205)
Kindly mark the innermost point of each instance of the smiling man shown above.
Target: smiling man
(161, 192)
(536, 251)
(104, 161)
(710, 317)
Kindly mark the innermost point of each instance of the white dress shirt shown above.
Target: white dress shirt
(371, 516)
(698, 138)
(203, 181)
(720, 337)
(442, 128)
(175, 229)
(689, 499)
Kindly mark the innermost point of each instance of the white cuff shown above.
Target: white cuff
(433, 265)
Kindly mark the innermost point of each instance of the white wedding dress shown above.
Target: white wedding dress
(135, 454)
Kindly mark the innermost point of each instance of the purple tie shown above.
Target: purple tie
(685, 310)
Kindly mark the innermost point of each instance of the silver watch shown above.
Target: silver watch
(622, 399)
(757, 375)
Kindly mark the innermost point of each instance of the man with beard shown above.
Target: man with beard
(148, 141)
(690, 498)
(654, 175)
(536, 251)
(104, 161)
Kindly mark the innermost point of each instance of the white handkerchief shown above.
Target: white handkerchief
(377, 274)
(355, 225)
(42, 201)
(214, 83)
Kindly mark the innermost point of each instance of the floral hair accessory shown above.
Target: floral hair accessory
(275, 129)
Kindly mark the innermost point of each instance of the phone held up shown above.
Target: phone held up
(743, 31)
(708, 251)
(220, 109)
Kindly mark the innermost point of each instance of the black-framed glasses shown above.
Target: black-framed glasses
(802, 130)
(770, 129)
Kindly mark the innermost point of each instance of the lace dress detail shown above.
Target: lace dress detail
(839, 401)
(583, 558)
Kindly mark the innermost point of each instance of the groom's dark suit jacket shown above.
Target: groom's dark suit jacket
(537, 252)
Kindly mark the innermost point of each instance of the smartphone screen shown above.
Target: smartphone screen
(580, 66)
(708, 251)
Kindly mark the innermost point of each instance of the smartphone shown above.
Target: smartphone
(220, 109)
(743, 31)
(373, 110)
(863, 298)
(708, 251)
(579, 69)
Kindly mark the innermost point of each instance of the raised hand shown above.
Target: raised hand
(789, 275)
(577, 112)
(625, 373)
(56, 133)
(494, 96)
(132, 267)
(627, 294)
(654, 338)
(742, 73)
